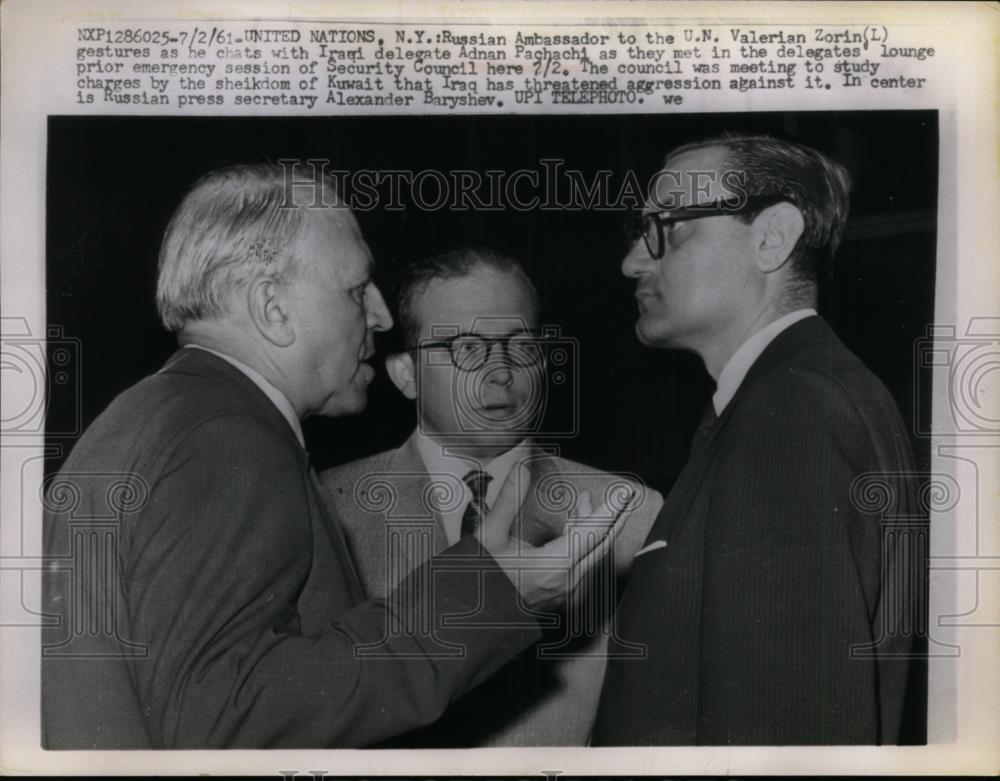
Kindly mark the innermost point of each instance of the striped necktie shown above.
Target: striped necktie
(477, 481)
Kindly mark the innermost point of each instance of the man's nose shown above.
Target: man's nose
(379, 318)
(499, 370)
(637, 262)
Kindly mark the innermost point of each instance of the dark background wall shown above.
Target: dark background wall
(113, 183)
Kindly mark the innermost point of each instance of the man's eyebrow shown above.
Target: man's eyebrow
(364, 275)
(368, 274)
(520, 329)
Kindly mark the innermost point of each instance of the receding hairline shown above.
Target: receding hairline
(418, 292)
(481, 266)
(346, 229)
(722, 156)
(718, 147)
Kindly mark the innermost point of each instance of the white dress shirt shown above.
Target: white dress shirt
(438, 462)
(279, 399)
(734, 372)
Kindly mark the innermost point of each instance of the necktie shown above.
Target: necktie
(477, 480)
(701, 434)
(708, 418)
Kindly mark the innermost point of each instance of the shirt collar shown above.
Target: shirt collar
(736, 368)
(279, 399)
(438, 461)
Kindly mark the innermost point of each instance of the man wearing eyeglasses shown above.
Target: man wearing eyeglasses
(775, 609)
(475, 363)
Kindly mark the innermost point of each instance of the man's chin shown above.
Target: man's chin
(345, 405)
(651, 336)
(481, 439)
(506, 426)
(643, 335)
(499, 435)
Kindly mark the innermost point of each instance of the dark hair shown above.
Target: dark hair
(453, 263)
(792, 172)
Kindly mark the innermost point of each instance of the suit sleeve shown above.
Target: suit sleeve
(215, 565)
(791, 571)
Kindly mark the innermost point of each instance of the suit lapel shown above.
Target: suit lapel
(419, 499)
(675, 511)
(203, 363)
(340, 546)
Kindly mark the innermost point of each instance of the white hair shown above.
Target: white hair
(234, 225)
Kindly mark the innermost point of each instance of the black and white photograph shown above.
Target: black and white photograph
(729, 379)
(568, 389)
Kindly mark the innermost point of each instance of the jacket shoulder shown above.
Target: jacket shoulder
(606, 486)
(346, 484)
(146, 422)
(345, 476)
(816, 361)
(835, 391)
(808, 372)
(813, 404)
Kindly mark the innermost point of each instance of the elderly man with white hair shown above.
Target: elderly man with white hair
(205, 594)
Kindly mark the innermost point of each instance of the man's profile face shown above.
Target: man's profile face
(336, 309)
(493, 405)
(684, 296)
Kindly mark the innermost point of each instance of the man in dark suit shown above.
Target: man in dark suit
(474, 361)
(773, 607)
(199, 592)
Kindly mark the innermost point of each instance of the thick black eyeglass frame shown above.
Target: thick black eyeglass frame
(486, 343)
(641, 224)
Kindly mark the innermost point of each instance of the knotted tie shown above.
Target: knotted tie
(478, 481)
(708, 418)
(701, 434)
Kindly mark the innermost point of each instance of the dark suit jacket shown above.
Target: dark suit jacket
(390, 507)
(206, 597)
(761, 613)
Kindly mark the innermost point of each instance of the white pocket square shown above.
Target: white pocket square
(655, 545)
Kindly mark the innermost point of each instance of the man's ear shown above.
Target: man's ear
(403, 373)
(268, 305)
(779, 228)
